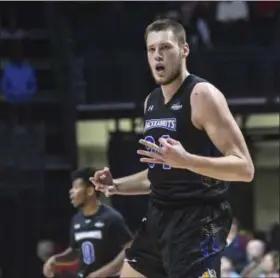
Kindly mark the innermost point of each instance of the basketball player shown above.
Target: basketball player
(193, 149)
(98, 233)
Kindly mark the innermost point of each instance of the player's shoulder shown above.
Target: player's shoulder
(110, 214)
(206, 91)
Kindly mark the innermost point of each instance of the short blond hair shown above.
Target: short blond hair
(168, 24)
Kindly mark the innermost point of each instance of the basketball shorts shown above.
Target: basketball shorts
(181, 243)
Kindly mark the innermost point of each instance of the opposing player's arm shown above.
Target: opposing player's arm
(211, 113)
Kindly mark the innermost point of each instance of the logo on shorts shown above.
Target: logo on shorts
(210, 273)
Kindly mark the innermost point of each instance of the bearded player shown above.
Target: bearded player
(194, 148)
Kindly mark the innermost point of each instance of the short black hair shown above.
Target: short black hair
(168, 24)
(84, 174)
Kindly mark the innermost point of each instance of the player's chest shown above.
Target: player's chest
(165, 121)
(89, 230)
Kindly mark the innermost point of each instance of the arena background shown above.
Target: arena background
(92, 77)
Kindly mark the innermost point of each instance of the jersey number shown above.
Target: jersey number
(88, 252)
(152, 140)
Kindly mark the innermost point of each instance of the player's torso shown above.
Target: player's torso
(92, 239)
(173, 119)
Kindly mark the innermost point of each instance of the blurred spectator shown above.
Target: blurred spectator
(270, 265)
(264, 17)
(236, 249)
(232, 22)
(261, 235)
(231, 11)
(201, 19)
(227, 269)
(173, 15)
(45, 249)
(255, 252)
(19, 82)
(187, 11)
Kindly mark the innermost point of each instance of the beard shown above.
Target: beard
(170, 79)
(173, 76)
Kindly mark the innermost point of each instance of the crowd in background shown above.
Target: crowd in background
(242, 38)
(208, 24)
(251, 254)
(229, 41)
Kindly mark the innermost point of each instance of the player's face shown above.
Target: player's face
(165, 56)
(80, 193)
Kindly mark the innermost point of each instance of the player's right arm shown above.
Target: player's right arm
(67, 257)
(136, 184)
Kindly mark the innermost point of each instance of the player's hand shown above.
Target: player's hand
(49, 267)
(103, 181)
(169, 152)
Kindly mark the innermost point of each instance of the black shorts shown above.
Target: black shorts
(181, 243)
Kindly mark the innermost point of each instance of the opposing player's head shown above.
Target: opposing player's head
(82, 192)
(166, 49)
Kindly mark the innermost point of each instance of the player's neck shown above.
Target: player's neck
(91, 208)
(170, 89)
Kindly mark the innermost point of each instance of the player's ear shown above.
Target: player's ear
(185, 50)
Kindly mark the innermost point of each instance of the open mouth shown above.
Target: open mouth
(160, 68)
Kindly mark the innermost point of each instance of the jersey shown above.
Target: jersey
(98, 239)
(179, 187)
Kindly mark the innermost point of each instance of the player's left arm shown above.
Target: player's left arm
(121, 236)
(211, 113)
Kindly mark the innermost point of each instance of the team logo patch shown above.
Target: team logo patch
(88, 252)
(177, 106)
(165, 123)
(210, 273)
(99, 224)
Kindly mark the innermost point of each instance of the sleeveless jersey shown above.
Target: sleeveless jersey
(172, 186)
